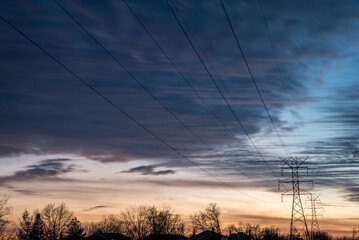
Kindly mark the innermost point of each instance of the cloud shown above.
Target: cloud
(85, 125)
(149, 170)
(352, 194)
(45, 169)
(94, 208)
(25, 191)
(48, 110)
(200, 184)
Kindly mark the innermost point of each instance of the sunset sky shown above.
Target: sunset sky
(61, 141)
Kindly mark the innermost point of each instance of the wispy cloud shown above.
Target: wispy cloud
(45, 169)
(149, 170)
(95, 208)
(45, 110)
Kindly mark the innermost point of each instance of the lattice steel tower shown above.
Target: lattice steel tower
(298, 223)
(314, 202)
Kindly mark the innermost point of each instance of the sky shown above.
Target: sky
(175, 123)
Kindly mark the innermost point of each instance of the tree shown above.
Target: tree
(270, 233)
(38, 230)
(56, 218)
(109, 224)
(135, 222)
(355, 233)
(75, 230)
(30, 227)
(24, 230)
(4, 211)
(253, 231)
(321, 236)
(210, 219)
(163, 220)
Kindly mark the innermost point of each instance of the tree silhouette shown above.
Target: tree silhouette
(254, 231)
(209, 219)
(163, 220)
(270, 233)
(38, 230)
(135, 222)
(109, 224)
(75, 230)
(56, 218)
(25, 226)
(4, 211)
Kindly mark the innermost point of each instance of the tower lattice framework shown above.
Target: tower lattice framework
(314, 206)
(298, 223)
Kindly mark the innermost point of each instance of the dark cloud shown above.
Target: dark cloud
(45, 169)
(78, 123)
(25, 191)
(194, 183)
(336, 158)
(46, 110)
(95, 207)
(353, 194)
(149, 170)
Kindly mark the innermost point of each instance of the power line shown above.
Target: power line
(214, 70)
(217, 87)
(109, 101)
(150, 93)
(254, 82)
(193, 89)
(279, 69)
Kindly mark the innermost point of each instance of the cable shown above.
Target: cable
(215, 72)
(254, 82)
(151, 94)
(190, 85)
(219, 90)
(120, 109)
(279, 70)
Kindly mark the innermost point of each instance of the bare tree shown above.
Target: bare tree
(56, 218)
(135, 222)
(209, 219)
(109, 224)
(163, 220)
(254, 231)
(4, 211)
(323, 236)
(270, 233)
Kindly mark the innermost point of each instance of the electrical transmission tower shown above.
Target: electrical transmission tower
(314, 202)
(355, 232)
(298, 223)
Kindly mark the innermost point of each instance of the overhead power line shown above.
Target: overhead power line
(279, 69)
(215, 72)
(109, 101)
(217, 87)
(152, 95)
(193, 89)
(254, 81)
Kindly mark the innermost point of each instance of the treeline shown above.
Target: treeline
(57, 222)
(53, 222)
(138, 222)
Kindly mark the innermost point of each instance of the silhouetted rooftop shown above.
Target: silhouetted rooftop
(208, 235)
(165, 237)
(109, 236)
